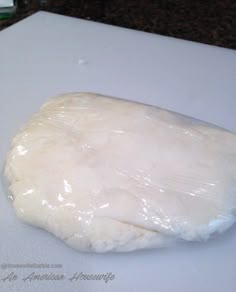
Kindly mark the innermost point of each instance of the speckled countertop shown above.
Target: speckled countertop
(211, 22)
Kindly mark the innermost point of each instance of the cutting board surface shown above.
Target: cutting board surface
(47, 54)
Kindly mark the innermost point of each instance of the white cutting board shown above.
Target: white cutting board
(47, 54)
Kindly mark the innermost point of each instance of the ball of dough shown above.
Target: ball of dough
(105, 174)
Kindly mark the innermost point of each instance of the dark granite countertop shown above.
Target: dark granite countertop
(211, 22)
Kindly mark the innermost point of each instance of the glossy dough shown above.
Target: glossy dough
(105, 174)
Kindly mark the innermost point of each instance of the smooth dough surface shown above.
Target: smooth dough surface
(104, 174)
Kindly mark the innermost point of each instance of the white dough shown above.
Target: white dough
(105, 174)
